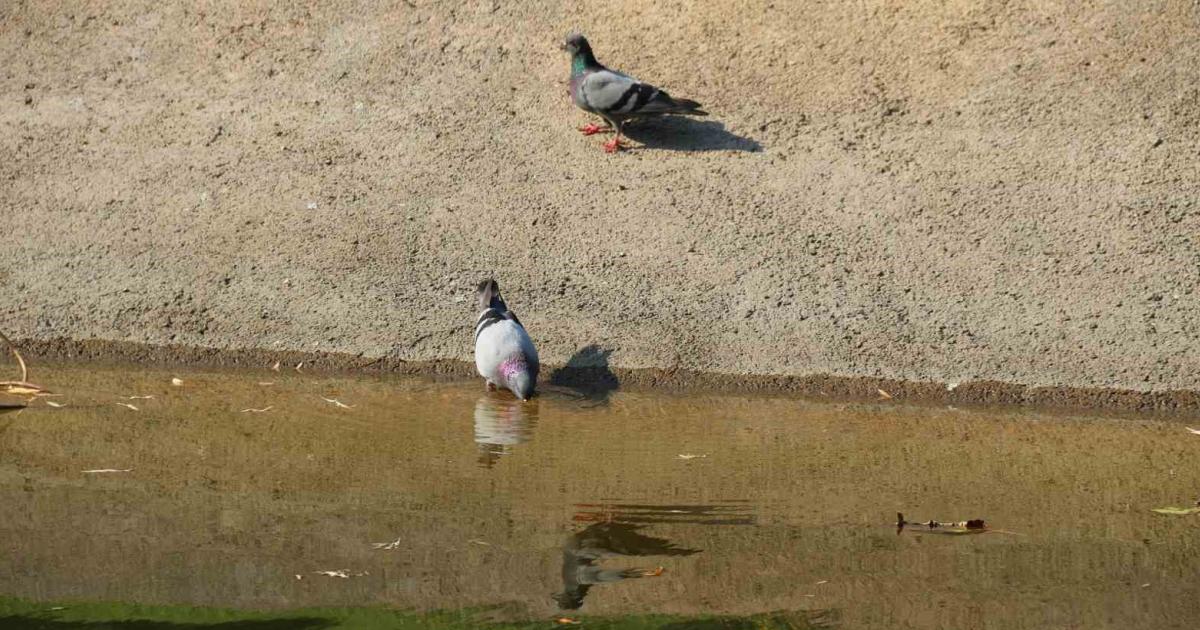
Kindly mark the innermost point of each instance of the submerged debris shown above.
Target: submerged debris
(388, 546)
(264, 409)
(1196, 431)
(973, 526)
(177, 382)
(129, 406)
(107, 470)
(691, 456)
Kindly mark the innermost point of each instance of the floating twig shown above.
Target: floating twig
(22, 387)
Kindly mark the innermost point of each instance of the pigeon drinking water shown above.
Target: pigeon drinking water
(614, 96)
(504, 353)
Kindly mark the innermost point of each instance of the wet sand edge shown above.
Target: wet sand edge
(850, 388)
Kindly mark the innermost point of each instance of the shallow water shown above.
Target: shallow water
(436, 495)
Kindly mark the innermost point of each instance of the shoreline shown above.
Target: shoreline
(819, 386)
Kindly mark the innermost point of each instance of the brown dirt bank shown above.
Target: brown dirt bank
(820, 386)
(928, 192)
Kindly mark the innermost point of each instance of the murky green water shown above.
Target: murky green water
(240, 488)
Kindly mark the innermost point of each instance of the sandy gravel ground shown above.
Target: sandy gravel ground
(934, 191)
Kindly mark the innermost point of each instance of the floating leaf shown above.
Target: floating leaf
(343, 573)
(55, 404)
(276, 366)
(388, 546)
(1196, 431)
(1177, 511)
(340, 574)
(884, 395)
(177, 382)
(334, 401)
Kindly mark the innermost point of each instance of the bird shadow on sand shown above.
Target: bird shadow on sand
(680, 133)
(587, 376)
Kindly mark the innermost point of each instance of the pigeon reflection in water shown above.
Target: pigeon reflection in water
(584, 549)
(502, 422)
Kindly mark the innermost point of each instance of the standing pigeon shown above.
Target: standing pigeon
(504, 353)
(613, 96)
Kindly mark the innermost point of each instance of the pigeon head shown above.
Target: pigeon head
(577, 46)
(518, 377)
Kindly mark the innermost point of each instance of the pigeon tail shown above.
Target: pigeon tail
(488, 296)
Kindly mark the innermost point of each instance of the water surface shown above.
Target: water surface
(242, 487)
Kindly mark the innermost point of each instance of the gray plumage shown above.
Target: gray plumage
(614, 96)
(504, 354)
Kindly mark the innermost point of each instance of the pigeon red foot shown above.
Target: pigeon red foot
(593, 128)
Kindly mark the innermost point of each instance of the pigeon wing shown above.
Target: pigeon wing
(609, 92)
(619, 95)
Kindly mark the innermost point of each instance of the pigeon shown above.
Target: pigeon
(504, 353)
(583, 551)
(614, 96)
